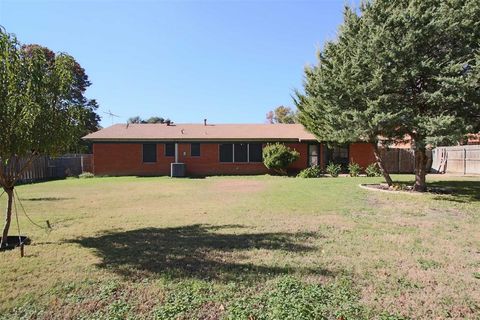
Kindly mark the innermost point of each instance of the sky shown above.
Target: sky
(226, 61)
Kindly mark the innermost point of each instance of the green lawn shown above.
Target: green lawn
(244, 248)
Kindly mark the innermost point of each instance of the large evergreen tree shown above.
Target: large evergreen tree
(399, 67)
(339, 102)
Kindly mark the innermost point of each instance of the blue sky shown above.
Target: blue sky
(228, 61)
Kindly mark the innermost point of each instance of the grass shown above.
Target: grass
(244, 248)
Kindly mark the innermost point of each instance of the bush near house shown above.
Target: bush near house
(333, 169)
(372, 170)
(354, 169)
(278, 157)
(311, 172)
(86, 175)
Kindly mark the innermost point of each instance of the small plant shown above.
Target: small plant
(354, 169)
(400, 187)
(426, 264)
(278, 157)
(118, 310)
(86, 175)
(333, 169)
(372, 170)
(182, 300)
(311, 172)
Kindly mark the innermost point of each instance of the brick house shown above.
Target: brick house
(209, 149)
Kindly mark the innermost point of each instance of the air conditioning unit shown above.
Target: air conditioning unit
(177, 170)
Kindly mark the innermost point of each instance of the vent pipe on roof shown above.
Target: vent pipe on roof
(204, 122)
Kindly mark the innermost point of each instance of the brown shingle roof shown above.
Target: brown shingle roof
(200, 132)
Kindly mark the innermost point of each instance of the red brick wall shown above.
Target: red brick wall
(127, 159)
(361, 153)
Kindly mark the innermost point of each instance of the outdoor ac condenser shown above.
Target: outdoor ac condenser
(177, 169)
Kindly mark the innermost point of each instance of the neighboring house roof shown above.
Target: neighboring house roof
(201, 132)
(473, 138)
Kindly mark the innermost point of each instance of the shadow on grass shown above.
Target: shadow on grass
(47, 199)
(194, 251)
(457, 191)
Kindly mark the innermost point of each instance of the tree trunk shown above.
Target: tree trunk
(420, 170)
(381, 165)
(8, 217)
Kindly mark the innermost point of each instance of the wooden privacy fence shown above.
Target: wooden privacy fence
(398, 160)
(402, 160)
(457, 159)
(44, 167)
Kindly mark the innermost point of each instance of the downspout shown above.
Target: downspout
(176, 152)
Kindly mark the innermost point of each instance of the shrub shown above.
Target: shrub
(354, 169)
(278, 157)
(372, 170)
(333, 169)
(86, 175)
(312, 172)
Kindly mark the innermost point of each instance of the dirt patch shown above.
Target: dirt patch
(243, 186)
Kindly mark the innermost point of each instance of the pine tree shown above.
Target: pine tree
(398, 68)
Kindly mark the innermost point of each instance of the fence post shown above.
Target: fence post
(464, 161)
(399, 159)
(414, 160)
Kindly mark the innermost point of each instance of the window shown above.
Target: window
(150, 152)
(255, 152)
(226, 152)
(240, 151)
(169, 149)
(313, 155)
(338, 155)
(195, 149)
(340, 152)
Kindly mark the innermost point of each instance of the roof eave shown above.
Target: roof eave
(195, 139)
